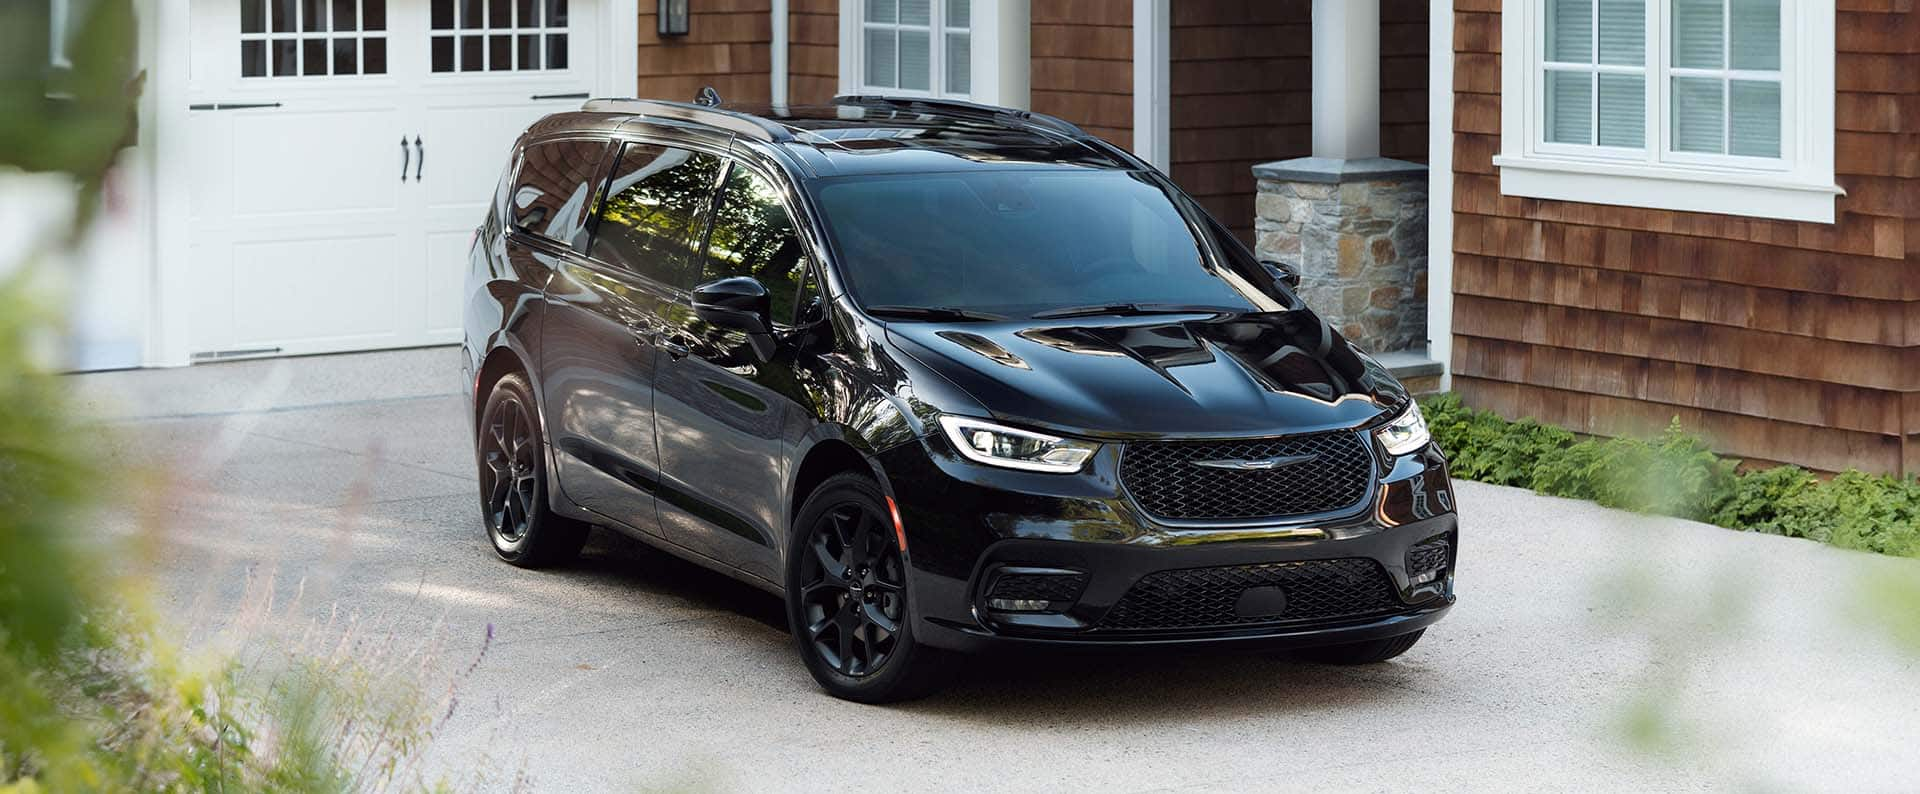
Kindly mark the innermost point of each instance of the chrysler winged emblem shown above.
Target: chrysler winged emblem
(1255, 464)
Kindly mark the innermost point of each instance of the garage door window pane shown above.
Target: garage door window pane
(290, 38)
(498, 35)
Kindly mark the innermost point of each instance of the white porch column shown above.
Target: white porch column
(1152, 102)
(1346, 79)
(1002, 47)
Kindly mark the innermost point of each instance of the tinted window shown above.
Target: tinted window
(1019, 242)
(753, 236)
(554, 188)
(655, 212)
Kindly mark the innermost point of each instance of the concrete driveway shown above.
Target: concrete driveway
(342, 486)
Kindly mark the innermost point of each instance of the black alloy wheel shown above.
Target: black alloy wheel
(847, 597)
(513, 487)
(853, 589)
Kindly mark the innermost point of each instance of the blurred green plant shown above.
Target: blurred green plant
(93, 695)
(1676, 474)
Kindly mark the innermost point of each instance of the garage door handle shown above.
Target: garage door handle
(419, 159)
(405, 157)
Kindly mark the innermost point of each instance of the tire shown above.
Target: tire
(855, 634)
(513, 482)
(1369, 652)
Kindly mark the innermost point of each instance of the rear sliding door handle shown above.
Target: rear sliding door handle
(580, 95)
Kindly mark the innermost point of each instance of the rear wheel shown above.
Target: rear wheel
(1368, 652)
(847, 598)
(513, 482)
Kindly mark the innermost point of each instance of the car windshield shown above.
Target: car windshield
(1021, 243)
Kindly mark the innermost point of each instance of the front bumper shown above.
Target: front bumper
(968, 524)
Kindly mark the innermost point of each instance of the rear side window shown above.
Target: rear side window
(754, 236)
(655, 212)
(554, 187)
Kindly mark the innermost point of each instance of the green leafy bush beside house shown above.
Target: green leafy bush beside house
(1676, 474)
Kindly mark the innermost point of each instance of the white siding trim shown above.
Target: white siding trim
(1440, 188)
(1152, 60)
(778, 90)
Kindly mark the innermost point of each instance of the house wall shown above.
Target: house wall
(1082, 61)
(1781, 341)
(728, 46)
(813, 51)
(1403, 79)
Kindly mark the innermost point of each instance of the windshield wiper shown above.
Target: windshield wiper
(933, 313)
(1130, 309)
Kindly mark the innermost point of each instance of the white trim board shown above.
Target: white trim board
(1152, 62)
(1440, 189)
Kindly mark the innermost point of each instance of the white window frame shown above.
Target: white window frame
(982, 64)
(1797, 186)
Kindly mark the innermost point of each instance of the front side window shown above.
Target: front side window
(655, 211)
(916, 47)
(1022, 242)
(1675, 94)
(753, 235)
(554, 187)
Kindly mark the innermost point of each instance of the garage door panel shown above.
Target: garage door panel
(474, 141)
(446, 279)
(315, 291)
(322, 162)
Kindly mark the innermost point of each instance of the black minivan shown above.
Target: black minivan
(944, 377)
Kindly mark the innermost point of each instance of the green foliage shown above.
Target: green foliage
(1676, 474)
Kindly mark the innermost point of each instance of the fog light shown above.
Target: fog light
(1426, 577)
(1017, 604)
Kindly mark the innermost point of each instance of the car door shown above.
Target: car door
(610, 309)
(722, 411)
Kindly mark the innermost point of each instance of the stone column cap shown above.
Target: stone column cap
(1334, 170)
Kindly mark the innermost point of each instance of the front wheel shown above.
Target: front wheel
(847, 598)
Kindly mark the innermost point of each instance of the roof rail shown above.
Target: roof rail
(741, 123)
(963, 108)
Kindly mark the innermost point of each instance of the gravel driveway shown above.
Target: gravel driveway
(632, 670)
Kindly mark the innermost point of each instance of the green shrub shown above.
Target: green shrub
(1676, 474)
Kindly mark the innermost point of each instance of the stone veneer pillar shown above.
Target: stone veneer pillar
(1357, 232)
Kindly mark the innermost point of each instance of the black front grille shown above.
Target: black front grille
(1054, 587)
(1316, 590)
(1165, 478)
(1428, 556)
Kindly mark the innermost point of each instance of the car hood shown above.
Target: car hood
(1191, 374)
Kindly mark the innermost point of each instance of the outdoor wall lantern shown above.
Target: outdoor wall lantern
(673, 17)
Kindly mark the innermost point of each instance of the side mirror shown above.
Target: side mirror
(739, 303)
(1284, 273)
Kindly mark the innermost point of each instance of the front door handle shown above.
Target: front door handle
(419, 158)
(675, 350)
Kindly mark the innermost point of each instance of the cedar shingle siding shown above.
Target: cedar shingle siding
(1781, 341)
(728, 46)
(1082, 61)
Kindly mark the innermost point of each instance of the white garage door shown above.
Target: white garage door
(344, 150)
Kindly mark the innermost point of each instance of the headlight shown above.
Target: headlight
(1406, 433)
(1012, 448)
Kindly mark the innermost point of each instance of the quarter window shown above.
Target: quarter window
(555, 186)
(655, 212)
(753, 235)
(312, 38)
(499, 35)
